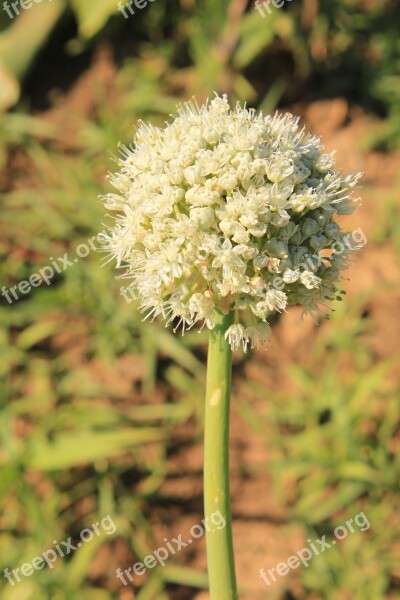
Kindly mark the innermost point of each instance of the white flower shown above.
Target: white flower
(236, 336)
(203, 217)
(219, 204)
(309, 280)
(228, 181)
(273, 301)
(290, 276)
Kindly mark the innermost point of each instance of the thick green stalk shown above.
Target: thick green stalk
(220, 558)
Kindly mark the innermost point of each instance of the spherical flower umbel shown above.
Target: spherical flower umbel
(229, 209)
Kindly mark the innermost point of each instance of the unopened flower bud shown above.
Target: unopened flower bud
(331, 231)
(318, 241)
(309, 227)
(277, 248)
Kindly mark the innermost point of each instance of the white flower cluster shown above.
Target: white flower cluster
(215, 205)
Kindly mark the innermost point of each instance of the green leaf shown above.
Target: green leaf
(69, 450)
(37, 333)
(316, 507)
(93, 16)
(185, 576)
(256, 34)
(359, 472)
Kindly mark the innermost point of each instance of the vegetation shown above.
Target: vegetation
(92, 400)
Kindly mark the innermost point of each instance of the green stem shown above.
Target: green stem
(221, 565)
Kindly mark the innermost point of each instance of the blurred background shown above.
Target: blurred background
(101, 414)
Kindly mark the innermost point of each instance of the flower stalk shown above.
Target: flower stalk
(220, 556)
(228, 213)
